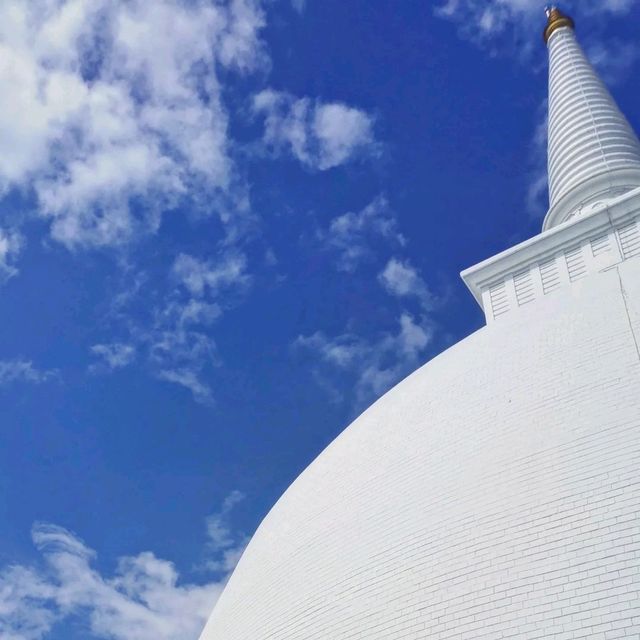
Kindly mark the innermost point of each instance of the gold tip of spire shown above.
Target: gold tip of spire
(556, 20)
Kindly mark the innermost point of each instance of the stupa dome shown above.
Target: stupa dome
(495, 492)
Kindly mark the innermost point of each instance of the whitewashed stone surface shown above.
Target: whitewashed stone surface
(493, 494)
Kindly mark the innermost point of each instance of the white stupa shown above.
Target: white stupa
(495, 493)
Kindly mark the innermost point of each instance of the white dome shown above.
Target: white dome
(495, 493)
(492, 494)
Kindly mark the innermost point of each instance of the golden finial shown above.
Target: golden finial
(556, 20)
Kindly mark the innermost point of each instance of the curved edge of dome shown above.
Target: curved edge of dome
(335, 444)
(355, 424)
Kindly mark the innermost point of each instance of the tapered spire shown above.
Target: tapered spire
(594, 154)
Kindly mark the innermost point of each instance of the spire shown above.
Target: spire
(594, 155)
(556, 20)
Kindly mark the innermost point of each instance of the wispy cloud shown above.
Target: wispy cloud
(143, 600)
(373, 364)
(180, 343)
(376, 364)
(11, 243)
(173, 335)
(190, 377)
(115, 355)
(319, 135)
(225, 545)
(200, 277)
(402, 280)
(352, 236)
(491, 24)
(112, 112)
(12, 371)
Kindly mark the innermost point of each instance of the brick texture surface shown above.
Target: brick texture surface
(493, 494)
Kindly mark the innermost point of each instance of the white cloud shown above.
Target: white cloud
(199, 276)
(22, 371)
(351, 236)
(180, 352)
(373, 364)
(181, 347)
(341, 351)
(218, 527)
(402, 280)
(319, 135)
(144, 599)
(173, 336)
(115, 355)
(11, 244)
(487, 22)
(377, 364)
(112, 111)
(222, 540)
(190, 379)
(23, 613)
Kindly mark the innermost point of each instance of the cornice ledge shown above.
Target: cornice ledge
(550, 243)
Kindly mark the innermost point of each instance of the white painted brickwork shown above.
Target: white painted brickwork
(493, 494)
(549, 272)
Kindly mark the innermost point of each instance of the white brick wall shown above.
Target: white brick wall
(493, 494)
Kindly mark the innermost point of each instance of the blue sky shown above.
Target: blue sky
(226, 228)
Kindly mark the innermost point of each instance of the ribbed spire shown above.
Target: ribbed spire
(594, 155)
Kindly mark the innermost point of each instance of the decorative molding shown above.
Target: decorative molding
(557, 258)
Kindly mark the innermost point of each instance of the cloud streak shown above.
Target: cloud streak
(11, 244)
(14, 371)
